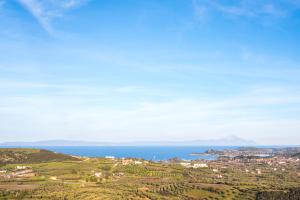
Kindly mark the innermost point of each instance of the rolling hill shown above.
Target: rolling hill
(22, 155)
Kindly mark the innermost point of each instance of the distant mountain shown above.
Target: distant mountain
(54, 143)
(226, 141)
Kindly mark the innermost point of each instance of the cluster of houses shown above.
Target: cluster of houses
(276, 163)
(261, 165)
(132, 161)
(19, 171)
(115, 175)
(189, 164)
(196, 165)
(128, 161)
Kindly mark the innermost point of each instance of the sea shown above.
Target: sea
(155, 153)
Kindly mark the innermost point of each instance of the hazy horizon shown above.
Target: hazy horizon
(230, 138)
(173, 70)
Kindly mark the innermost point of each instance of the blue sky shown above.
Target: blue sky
(127, 70)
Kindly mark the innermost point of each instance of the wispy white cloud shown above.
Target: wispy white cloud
(248, 8)
(45, 11)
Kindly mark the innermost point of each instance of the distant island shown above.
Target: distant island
(226, 141)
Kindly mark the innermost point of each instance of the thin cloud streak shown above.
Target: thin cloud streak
(248, 8)
(46, 11)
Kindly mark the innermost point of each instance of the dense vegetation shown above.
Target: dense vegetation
(296, 155)
(293, 193)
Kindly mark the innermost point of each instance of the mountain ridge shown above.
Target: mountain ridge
(225, 141)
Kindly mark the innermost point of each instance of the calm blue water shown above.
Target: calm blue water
(146, 152)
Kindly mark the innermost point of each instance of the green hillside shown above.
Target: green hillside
(22, 155)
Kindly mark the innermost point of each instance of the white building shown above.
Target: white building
(200, 165)
(98, 174)
(186, 164)
(258, 171)
(137, 162)
(110, 157)
(215, 170)
(53, 178)
(21, 167)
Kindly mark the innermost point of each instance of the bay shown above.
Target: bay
(155, 153)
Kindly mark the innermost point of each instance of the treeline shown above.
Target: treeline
(291, 194)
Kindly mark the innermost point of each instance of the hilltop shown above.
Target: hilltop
(22, 155)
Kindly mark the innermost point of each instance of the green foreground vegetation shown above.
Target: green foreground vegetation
(28, 174)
